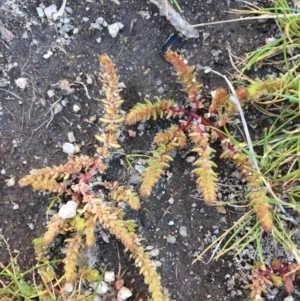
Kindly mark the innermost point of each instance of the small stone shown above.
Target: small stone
(77, 148)
(89, 80)
(135, 179)
(50, 10)
(40, 12)
(171, 223)
(288, 298)
(11, 182)
(139, 168)
(96, 26)
(21, 82)
(98, 40)
(100, 20)
(76, 108)
(71, 137)
(131, 133)
(160, 90)
(206, 35)
(102, 288)
(124, 293)
(69, 10)
(68, 148)
(171, 200)
(109, 276)
(240, 41)
(57, 108)
(68, 210)
(48, 54)
(171, 239)
(75, 30)
(190, 159)
(15, 207)
(66, 28)
(114, 28)
(104, 236)
(85, 19)
(154, 252)
(269, 40)
(183, 231)
(3, 171)
(31, 226)
(68, 287)
(25, 35)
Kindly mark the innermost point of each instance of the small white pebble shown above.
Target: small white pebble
(171, 200)
(85, 19)
(76, 108)
(171, 223)
(190, 159)
(31, 226)
(109, 276)
(3, 171)
(68, 148)
(68, 287)
(124, 293)
(21, 82)
(154, 252)
(114, 28)
(182, 231)
(15, 207)
(171, 239)
(71, 137)
(269, 40)
(68, 210)
(75, 30)
(40, 12)
(100, 20)
(69, 10)
(50, 10)
(288, 298)
(11, 182)
(50, 93)
(48, 54)
(102, 288)
(160, 90)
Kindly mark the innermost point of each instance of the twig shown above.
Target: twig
(86, 90)
(175, 19)
(11, 93)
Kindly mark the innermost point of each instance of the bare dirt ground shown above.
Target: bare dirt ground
(31, 135)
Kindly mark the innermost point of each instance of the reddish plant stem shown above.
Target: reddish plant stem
(192, 115)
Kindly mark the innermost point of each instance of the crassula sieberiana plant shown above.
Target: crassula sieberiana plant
(200, 125)
(83, 206)
(278, 274)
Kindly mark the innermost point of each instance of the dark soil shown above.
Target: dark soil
(29, 139)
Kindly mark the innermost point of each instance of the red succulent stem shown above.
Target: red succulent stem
(192, 115)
